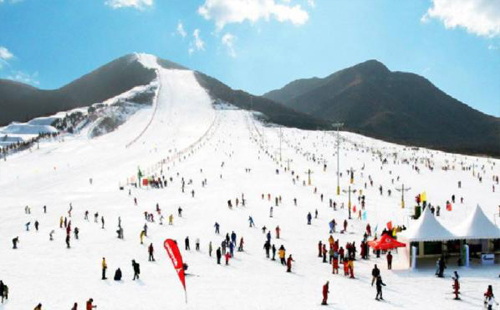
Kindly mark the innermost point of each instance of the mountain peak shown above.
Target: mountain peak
(371, 66)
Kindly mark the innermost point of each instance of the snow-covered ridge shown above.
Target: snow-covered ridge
(148, 61)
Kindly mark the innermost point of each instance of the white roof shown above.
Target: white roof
(427, 228)
(477, 226)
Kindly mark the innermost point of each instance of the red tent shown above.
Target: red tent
(385, 242)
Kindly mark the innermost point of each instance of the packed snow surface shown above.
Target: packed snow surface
(194, 141)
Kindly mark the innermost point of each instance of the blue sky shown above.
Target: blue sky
(260, 45)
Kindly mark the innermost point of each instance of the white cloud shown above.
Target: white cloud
(5, 54)
(480, 17)
(24, 77)
(137, 4)
(493, 47)
(11, 1)
(225, 12)
(311, 3)
(197, 44)
(180, 30)
(228, 40)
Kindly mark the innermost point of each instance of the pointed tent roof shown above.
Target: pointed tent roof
(477, 226)
(427, 228)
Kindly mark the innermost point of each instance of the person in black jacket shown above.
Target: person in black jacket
(219, 255)
(2, 289)
(375, 273)
(118, 275)
(187, 244)
(137, 269)
(379, 284)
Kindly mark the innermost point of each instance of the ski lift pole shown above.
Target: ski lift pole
(338, 125)
(403, 190)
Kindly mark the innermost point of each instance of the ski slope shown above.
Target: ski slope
(201, 143)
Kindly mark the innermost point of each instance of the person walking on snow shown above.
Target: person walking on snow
(104, 267)
(137, 269)
(151, 253)
(289, 263)
(90, 304)
(375, 273)
(325, 293)
(251, 222)
(389, 260)
(282, 255)
(379, 285)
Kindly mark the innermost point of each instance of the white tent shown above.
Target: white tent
(427, 228)
(477, 226)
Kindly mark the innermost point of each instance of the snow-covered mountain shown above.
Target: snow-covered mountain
(209, 155)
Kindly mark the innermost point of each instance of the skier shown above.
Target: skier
(67, 241)
(104, 267)
(210, 249)
(289, 263)
(75, 306)
(151, 252)
(273, 249)
(179, 212)
(379, 285)
(76, 232)
(309, 218)
(278, 230)
(217, 226)
(136, 268)
(227, 256)
(197, 243)
(186, 242)
(325, 293)
(38, 307)
(36, 225)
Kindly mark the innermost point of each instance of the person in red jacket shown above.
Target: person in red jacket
(227, 256)
(346, 267)
(278, 230)
(289, 263)
(90, 305)
(325, 293)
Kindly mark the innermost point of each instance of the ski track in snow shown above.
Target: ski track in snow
(59, 172)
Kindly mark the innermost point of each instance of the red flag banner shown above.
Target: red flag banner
(175, 255)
